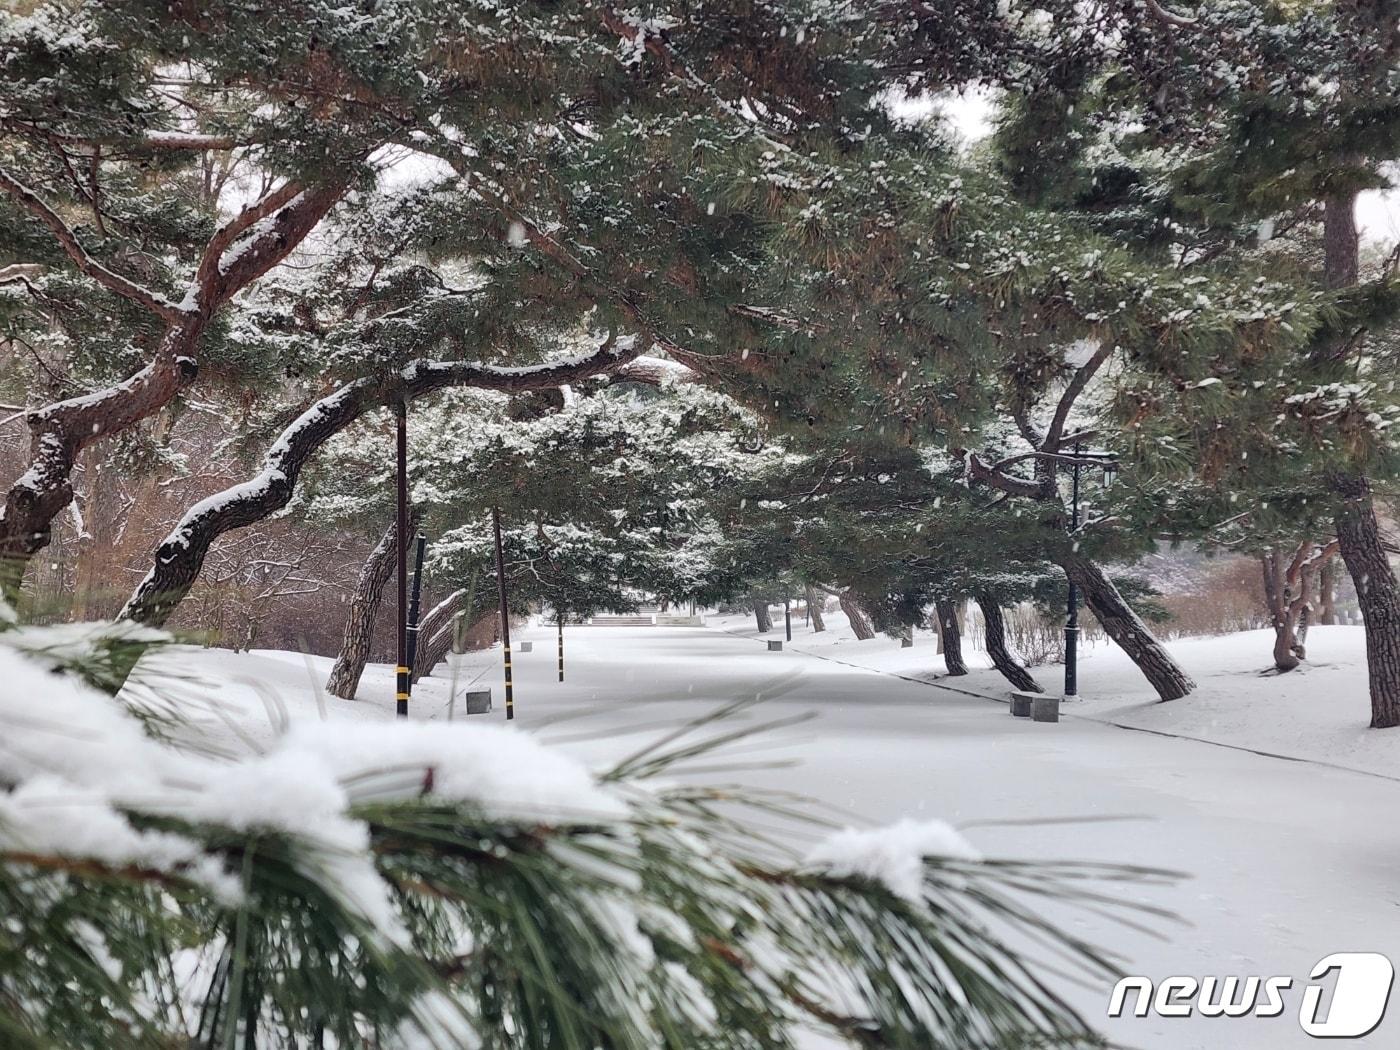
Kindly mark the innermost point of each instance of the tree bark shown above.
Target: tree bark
(860, 622)
(951, 637)
(1363, 552)
(60, 431)
(762, 617)
(1281, 595)
(1282, 614)
(1126, 628)
(1327, 593)
(1288, 588)
(432, 651)
(344, 679)
(444, 641)
(997, 649)
(815, 602)
(1358, 531)
(431, 648)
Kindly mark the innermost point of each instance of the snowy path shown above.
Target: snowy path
(1290, 861)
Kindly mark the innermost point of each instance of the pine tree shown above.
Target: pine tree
(1259, 126)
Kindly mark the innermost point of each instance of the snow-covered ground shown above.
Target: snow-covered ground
(1319, 711)
(1288, 860)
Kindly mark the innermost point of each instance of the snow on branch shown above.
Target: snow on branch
(406, 843)
(109, 279)
(1168, 16)
(180, 556)
(145, 141)
(990, 475)
(261, 236)
(187, 140)
(653, 371)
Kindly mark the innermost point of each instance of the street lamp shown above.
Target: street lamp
(1077, 461)
(403, 680)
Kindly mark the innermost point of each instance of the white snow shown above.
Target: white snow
(1320, 712)
(892, 855)
(1287, 861)
(76, 761)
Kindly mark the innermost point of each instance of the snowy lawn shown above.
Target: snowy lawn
(1288, 861)
(1319, 711)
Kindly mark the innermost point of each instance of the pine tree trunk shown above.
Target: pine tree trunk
(437, 620)
(432, 651)
(359, 622)
(1364, 554)
(1281, 615)
(761, 617)
(1327, 593)
(447, 638)
(860, 622)
(60, 432)
(997, 649)
(1358, 531)
(814, 609)
(1126, 628)
(948, 631)
(1285, 646)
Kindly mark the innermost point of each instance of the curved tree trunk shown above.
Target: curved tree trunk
(1282, 612)
(860, 622)
(434, 650)
(445, 641)
(1126, 628)
(1288, 589)
(344, 679)
(61, 431)
(997, 648)
(1286, 654)
(762, 617)
(815, 602)
(950, 635)
(435, 623)
(1359, 536)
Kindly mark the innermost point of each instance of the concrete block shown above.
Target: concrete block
(477, 701)
(1045, 709)
(775, 646)
(525, 647)
(1021, 703)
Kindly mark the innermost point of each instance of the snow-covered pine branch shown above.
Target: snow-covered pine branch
(180, 555)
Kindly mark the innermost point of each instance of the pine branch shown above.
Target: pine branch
(109, 279)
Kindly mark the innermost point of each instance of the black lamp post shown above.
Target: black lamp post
(402, 673)
(505, 611)
(1076, 462)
